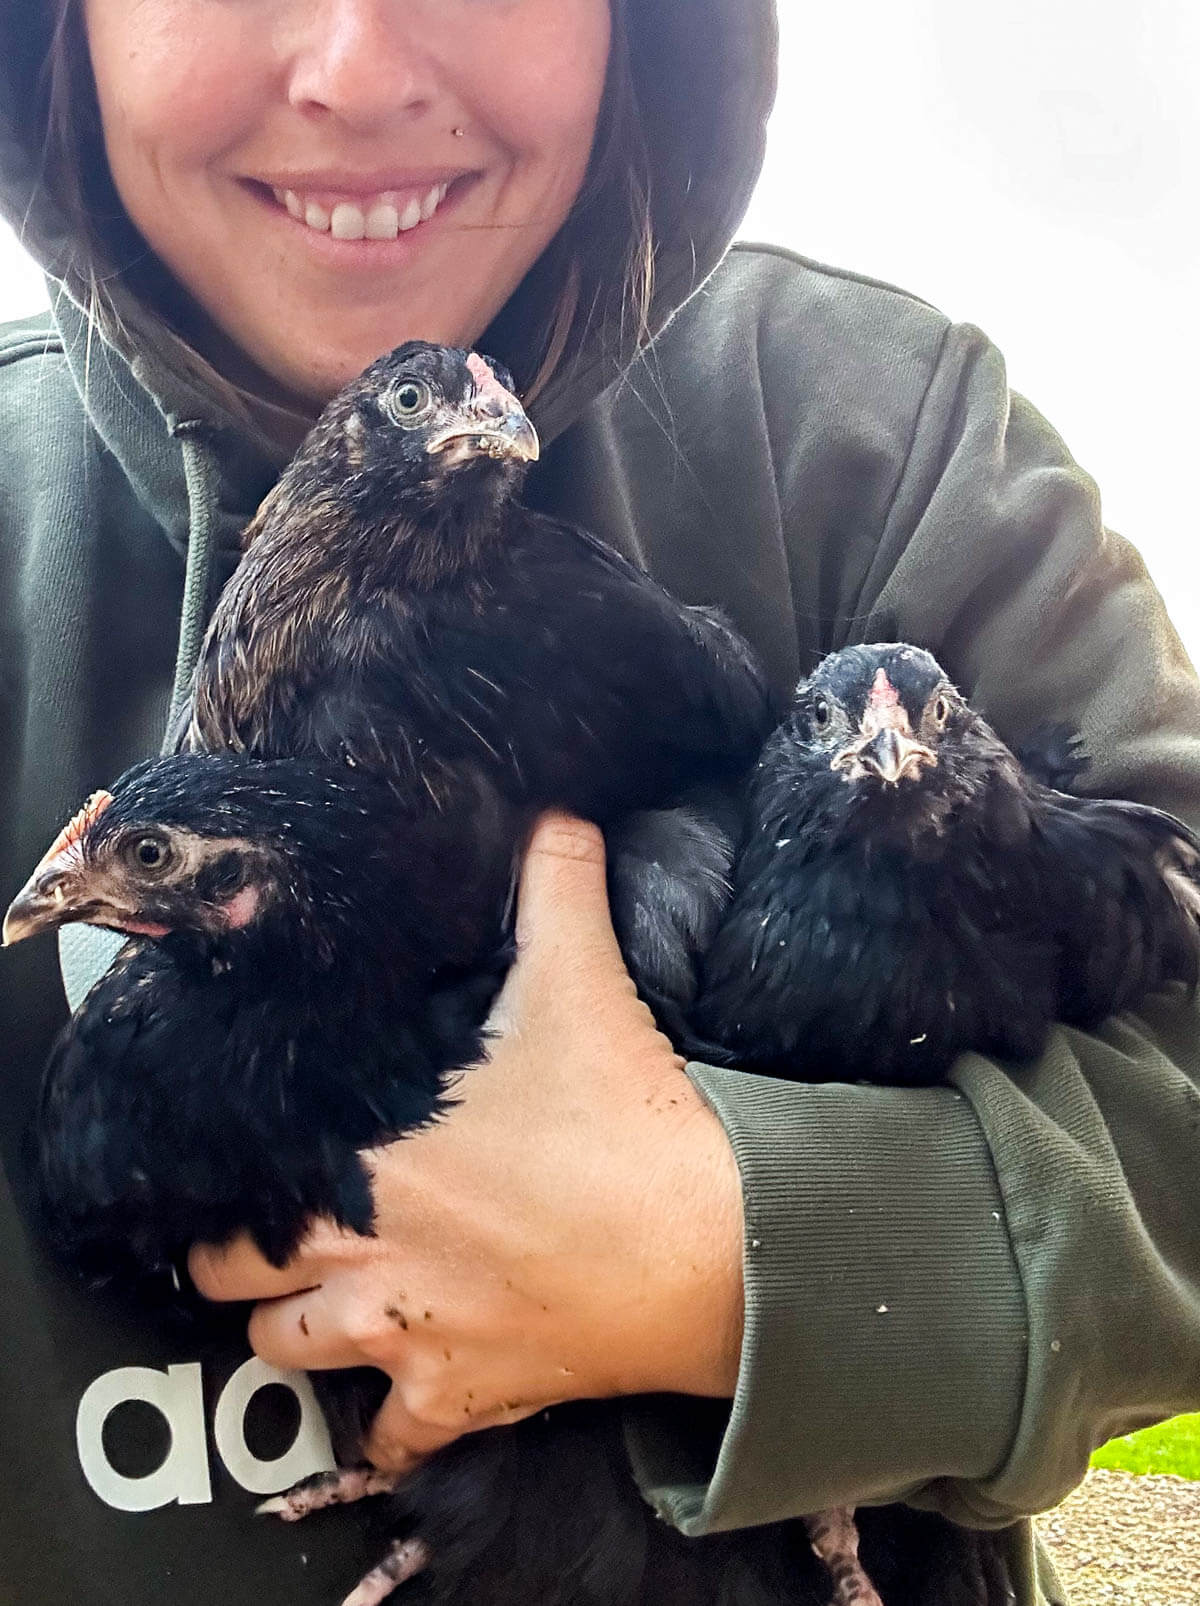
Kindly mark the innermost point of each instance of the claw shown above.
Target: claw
(405, 1560)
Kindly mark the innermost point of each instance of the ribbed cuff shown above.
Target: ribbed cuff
(885, 1340)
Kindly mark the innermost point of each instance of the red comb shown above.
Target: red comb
(883, 694)
(77, 827)
(486, 382)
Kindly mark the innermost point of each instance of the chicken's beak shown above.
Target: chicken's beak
(55, 892)
(474, 432)
(891, 755)
(47, 899)
(491, 423)
(885, 748)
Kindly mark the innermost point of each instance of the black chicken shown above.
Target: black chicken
(279, 1010)
(266, 1022)
(398, 608)
(905, 890)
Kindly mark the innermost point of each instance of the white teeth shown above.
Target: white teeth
(347, 222)
(381, 219)
(383, 222)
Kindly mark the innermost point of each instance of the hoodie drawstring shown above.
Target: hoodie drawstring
(201, 472)
(86, 952)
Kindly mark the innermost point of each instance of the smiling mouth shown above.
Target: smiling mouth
(383, 216)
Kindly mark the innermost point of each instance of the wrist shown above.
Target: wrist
(692, 1258)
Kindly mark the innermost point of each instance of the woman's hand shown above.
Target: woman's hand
(571, 1230)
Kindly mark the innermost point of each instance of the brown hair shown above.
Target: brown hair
(601, 262)
(596, 275)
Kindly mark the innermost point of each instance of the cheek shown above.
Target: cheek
(177, 81)
(538, 78)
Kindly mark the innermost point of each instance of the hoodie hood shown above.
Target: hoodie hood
(704, 72)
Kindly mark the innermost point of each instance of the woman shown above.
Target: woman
(947, 1295)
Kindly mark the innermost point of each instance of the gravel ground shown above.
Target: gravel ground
(1121, 1540)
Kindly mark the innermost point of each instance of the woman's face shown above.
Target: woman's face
(329, 178)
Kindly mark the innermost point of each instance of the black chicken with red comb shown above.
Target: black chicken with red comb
(906, 890)
(400, 609)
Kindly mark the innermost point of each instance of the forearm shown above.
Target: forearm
(952, 1294)
(873, 1359)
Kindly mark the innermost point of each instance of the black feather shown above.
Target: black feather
(1053, 753)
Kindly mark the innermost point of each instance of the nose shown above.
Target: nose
(360, 62)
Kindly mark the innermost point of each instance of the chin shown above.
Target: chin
(313, 348)
(313, 379)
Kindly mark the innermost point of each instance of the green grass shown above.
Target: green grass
(1170, 1447)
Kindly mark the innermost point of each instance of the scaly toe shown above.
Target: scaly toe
(405, 1560)
(338, 1488)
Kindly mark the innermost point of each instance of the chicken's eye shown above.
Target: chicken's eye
(941, 711)
(150, 852)
(409, 402)
(821, 713)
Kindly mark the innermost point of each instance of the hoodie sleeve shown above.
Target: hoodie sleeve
(954, 1294)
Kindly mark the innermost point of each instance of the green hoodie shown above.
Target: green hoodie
(952, 1294)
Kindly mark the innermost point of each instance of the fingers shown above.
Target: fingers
(423, 1410)
(239, 1270)
(307, 1332)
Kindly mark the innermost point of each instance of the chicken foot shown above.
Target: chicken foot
(833, 1535)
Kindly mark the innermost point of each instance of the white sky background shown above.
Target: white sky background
(1034, 169)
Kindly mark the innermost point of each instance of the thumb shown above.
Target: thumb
(563, 917)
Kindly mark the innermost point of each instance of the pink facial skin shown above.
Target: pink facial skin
(242, 907)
